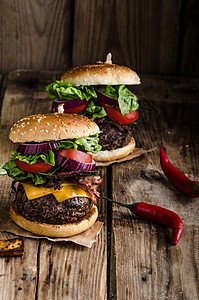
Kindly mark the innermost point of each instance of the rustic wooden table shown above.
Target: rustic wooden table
(133, 258)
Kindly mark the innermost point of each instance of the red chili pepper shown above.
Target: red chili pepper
(181, 182)
(157, 215)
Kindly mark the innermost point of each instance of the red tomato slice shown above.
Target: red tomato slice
(76, 155)
(39, 166)
(114, 114)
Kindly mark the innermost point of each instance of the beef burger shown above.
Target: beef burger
(57, 191)
(99, 91)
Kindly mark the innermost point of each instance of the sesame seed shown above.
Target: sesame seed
(30, 129)
(35, 128)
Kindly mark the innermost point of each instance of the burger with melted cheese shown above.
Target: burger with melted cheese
(57, 190)
(99, 91)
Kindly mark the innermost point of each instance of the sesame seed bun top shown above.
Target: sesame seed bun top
(52, 127)
(101, 74)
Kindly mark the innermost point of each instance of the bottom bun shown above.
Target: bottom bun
(53, 230)
(110, 155)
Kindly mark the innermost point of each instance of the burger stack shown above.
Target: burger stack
(56, 193)
(99, 91)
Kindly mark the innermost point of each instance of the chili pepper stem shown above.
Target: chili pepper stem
(129, 206)
(196, 188)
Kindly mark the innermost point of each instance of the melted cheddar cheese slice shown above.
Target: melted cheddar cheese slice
(69, 190)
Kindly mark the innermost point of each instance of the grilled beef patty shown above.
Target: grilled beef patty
(46, 209)
(111, 136)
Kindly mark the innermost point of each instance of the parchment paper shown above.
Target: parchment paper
(136, 153)
(86, 238)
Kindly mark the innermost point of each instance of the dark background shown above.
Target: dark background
(151, 36)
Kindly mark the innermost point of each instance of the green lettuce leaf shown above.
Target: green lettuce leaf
(95, 111)
(126, 100)
(88, 144)
(68, 91)
(19, 175)
(47, 157)
(111, 91)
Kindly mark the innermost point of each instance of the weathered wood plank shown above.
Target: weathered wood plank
(151, 268)
(61, 269)
(130, 32)
(143, 256)
(69, 271)
(18, 275)
(36, 35)
(25, 95)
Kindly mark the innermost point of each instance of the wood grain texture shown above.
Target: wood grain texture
(36, 35)
(158, 38)
(69, 271)
(19, 273)
(139, 35)
(143, 256)
(25, 95)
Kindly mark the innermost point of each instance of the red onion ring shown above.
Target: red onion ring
(69, 103)
(103, 97)
(26, 148)
(74, 165)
